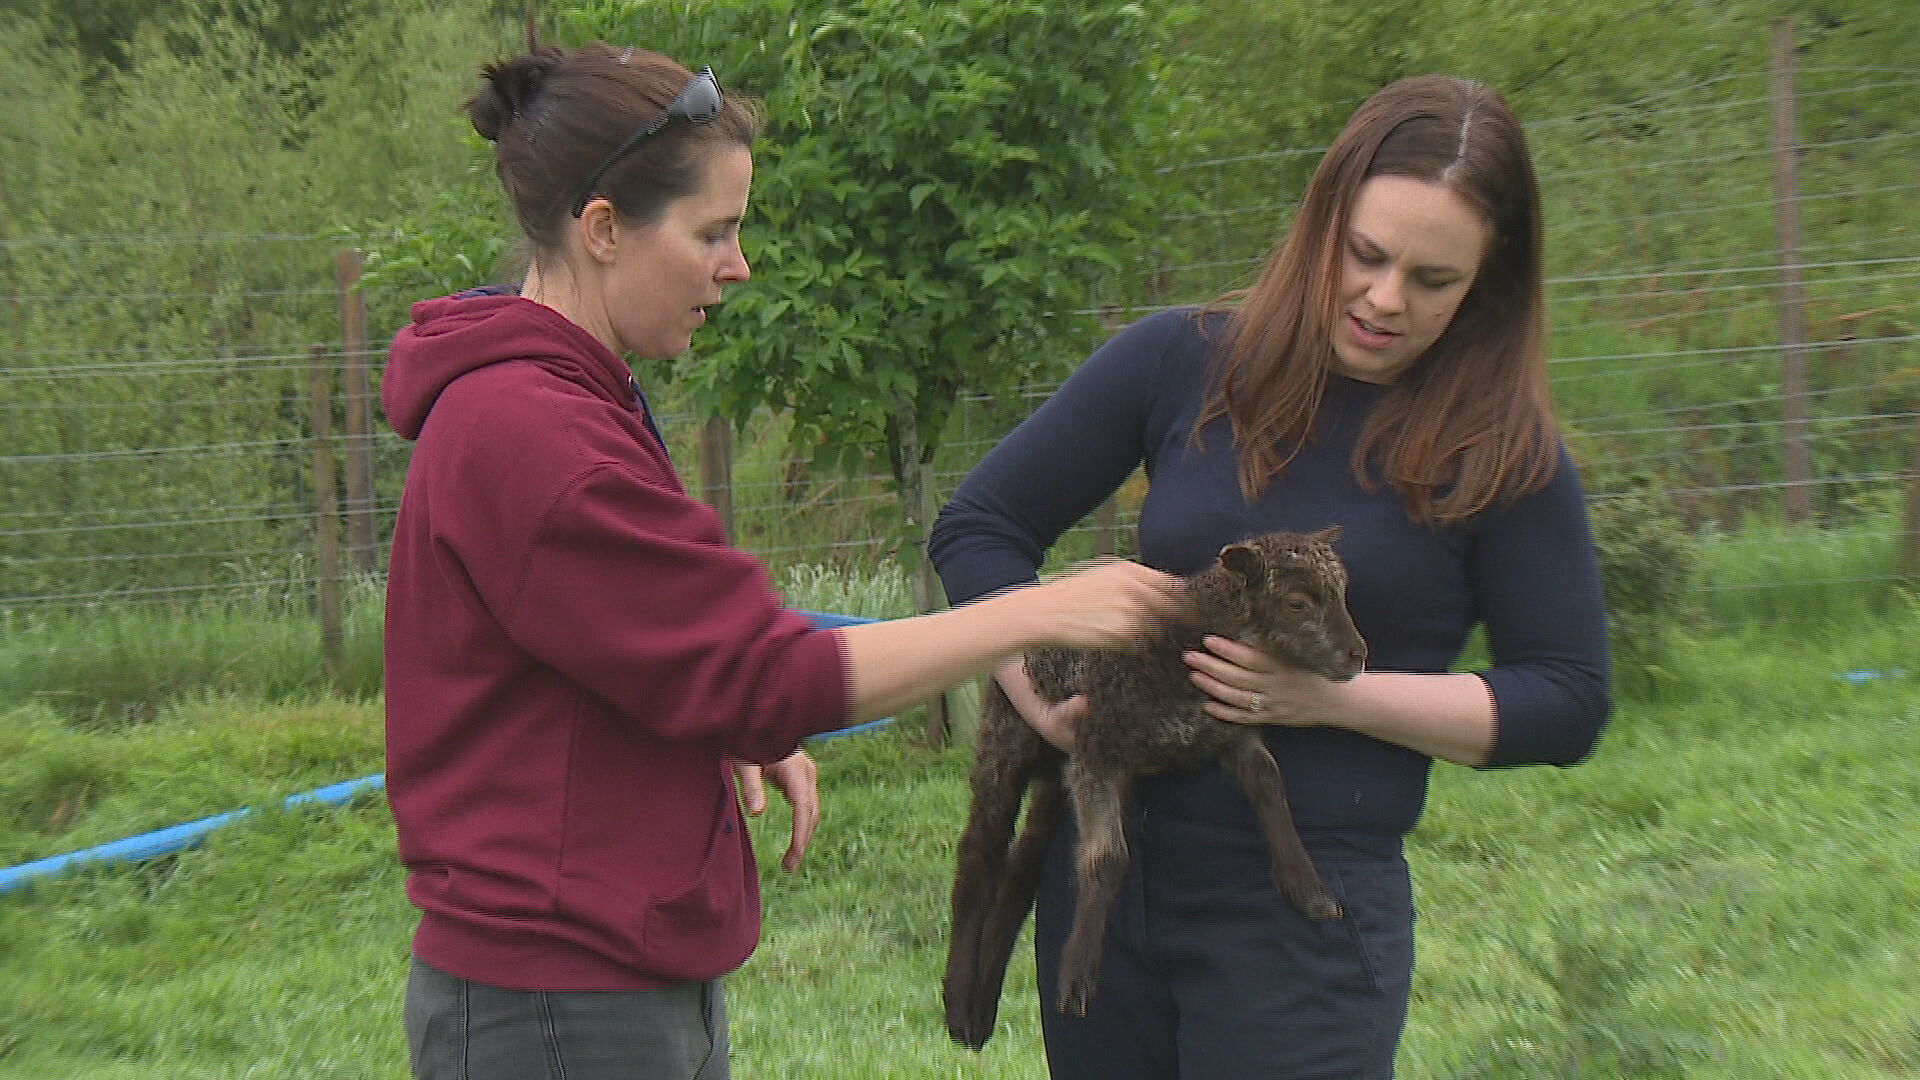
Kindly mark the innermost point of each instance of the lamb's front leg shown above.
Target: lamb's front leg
(1100, 858)
(1293, 871)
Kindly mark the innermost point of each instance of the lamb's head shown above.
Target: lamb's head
(1296, 594)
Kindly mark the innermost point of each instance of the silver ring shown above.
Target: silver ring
(1257, 703)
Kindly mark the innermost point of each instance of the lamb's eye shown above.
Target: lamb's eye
(1298, 603)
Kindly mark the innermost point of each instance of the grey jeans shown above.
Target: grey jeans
(461, 1030)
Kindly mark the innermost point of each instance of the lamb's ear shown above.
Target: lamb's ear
(1244, 560)
(1327, 535)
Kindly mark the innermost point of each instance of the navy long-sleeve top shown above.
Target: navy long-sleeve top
(1524, 568)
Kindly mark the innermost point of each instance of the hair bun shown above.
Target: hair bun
(511, 88)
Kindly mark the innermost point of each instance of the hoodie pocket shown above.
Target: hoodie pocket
(713, 899)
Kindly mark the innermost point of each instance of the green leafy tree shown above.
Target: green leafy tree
(939, 192)
(936, 196)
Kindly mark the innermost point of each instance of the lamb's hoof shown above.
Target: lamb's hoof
(1323, 908)
(971, 1032)
(968, 1037)
(1074, 998)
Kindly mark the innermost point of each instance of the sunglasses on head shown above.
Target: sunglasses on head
(698, 103)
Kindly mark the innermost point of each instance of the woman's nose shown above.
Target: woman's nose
(734, 269)
(1387, 294)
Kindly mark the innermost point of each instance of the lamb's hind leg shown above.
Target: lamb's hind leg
(1100, 861)
(1019, 885)
(1293, 872)
(1007, 754)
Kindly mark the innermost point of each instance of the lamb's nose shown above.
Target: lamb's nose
(1357, 657)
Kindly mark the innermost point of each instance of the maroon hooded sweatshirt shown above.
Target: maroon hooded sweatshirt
(573, 657)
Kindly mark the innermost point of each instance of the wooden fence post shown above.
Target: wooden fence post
(1106, 527)
(1106, 519)
(1794, 455)
(359, 412)
(716, 469)
(325, 506)
(930, 595)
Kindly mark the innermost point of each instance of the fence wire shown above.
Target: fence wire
(158, 448)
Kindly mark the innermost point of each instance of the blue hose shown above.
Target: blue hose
(167, 841)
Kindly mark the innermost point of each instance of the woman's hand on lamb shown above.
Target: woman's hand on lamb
(1053, 722)
(1246, 686)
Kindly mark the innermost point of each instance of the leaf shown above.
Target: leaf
(771, 313)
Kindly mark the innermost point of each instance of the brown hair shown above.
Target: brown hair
(1471, 422)
(553, 115)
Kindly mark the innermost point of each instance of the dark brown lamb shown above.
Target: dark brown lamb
(1282, 593)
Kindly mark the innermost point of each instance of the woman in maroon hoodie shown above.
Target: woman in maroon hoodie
(576, 661)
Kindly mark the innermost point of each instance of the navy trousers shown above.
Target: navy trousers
(462, 1030)
(1207, 972)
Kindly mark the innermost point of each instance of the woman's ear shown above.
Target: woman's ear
(596, 230)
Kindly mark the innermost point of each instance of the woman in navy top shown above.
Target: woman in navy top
(1387, 374)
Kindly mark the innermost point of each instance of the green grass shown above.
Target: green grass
(881, 592)
(113, 665)
(64, 786)
(1772, 571)
(1730, 889)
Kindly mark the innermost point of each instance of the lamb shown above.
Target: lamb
(1283, 593)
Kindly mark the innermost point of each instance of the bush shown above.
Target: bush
(1647, 557)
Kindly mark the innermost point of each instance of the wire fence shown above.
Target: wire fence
(157, 391)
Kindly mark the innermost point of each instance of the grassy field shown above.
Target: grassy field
(1731, 888)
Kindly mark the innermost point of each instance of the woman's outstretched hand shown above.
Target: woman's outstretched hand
(1109, 604)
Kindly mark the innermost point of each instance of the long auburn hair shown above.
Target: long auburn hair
(1471, 422)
